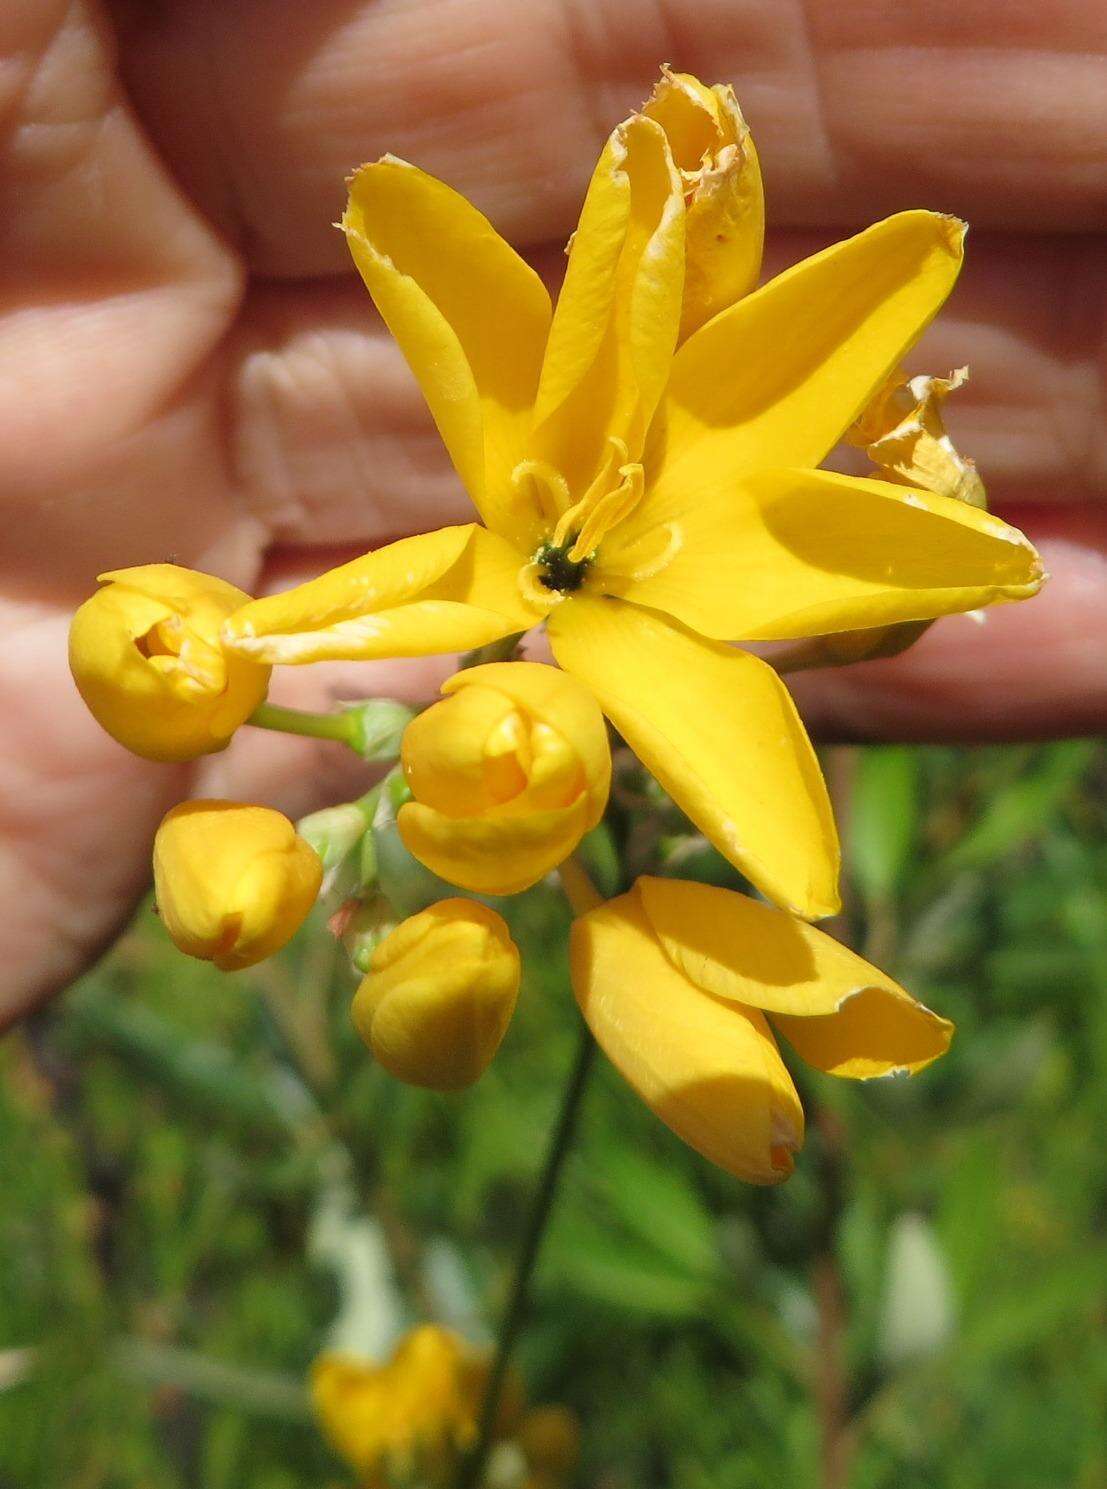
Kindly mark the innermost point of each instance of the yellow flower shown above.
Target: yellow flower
(439, 995)
(404, 1419)
(655, 502)
(146, 657)
(232, 882)
(676, 979)
(508, 772)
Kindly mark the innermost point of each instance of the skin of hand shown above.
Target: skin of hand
(191, 371)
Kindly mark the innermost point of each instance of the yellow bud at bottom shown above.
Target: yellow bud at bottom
(232, 882)
(439, 995)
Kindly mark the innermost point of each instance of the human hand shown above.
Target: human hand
(196, 373)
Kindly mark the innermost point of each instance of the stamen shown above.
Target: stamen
(541, 486)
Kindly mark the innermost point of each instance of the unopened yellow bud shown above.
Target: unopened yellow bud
(146, 657)
(724, 203)
(232, 883)
(508, 773)
(439, 995)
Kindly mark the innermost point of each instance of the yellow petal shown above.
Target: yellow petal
(777, 379)
(498, 853)
(555, 699)
(470, 316)
(787, 553)
(724, 202)
(709, 1069)
(439, 592)
(615, 326)
(842, 1014)
(717, 728)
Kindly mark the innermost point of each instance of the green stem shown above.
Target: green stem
(337, 726)
(472, 1467)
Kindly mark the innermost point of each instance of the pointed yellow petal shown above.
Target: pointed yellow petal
(841, 1014)
(496, 853)
(442, 591)
(789, 553)
(710, 1070)
(470, 316)
(872, 1034)
(777, 379)
(725, 205)
(615, 327)
(717, 728)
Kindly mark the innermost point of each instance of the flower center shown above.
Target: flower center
(575, 529)
(556, 570)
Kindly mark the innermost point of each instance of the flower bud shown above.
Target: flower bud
(232, 882)
(724, 204)
(361, 925)
(508, 773)
(439, 995)
(335, 832)
(147, 660)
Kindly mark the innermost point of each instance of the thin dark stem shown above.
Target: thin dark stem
(472, 1467)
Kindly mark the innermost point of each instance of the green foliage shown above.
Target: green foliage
(194, 1168)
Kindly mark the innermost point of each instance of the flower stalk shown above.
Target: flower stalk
(473, 1465)
(282, 720)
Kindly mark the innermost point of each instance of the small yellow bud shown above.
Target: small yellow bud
(508, 773)
(439, 995)
(233, 883)
(724, 203)
(147, 660)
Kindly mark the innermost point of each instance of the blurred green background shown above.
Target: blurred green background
(198, 1174)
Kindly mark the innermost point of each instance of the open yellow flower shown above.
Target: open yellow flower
(508, 772)
(653, 502)
(680, 983)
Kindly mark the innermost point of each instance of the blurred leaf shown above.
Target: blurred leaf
(1013, 816)
(659, 1206)
(883, 824)
(202, 1076)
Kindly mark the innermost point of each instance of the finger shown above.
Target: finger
(997, 114)
(114, 295)
(332, 442)
(77, 814)
(1036, 670)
